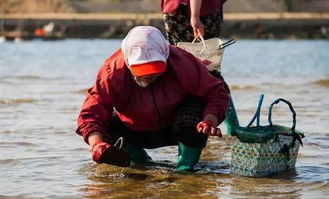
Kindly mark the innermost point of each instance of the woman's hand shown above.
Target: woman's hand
(97, 150)
(209, 126)
(198, 28)
(103, 152)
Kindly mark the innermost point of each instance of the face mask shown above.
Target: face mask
(141, 83)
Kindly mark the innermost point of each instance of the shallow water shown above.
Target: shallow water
(42, 86)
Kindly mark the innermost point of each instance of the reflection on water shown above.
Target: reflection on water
(323, 82)
(212, 180)
(17, 101)
(42, 86)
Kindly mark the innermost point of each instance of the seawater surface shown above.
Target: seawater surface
(43, 84)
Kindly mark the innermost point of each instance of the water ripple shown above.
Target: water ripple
(6, 144)
(241, 87)
(9, 162)
(18, 101)
(313, 174)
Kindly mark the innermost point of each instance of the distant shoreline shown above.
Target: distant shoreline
(284, 25)
(119, 16)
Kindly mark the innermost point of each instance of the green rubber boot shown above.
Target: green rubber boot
(188, 157)
(137, 155)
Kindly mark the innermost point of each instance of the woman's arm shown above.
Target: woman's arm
(97, 107)
(198, 28)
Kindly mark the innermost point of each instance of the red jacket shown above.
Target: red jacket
(115, 88)
(207, 6)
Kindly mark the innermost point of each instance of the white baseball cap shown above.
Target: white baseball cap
(145, 50)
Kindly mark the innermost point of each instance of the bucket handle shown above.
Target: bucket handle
(291, 109)
(228, 43)
(200, 38)
(221, 46)
(119, 143)
(257, 113)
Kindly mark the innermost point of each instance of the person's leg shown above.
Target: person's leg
(136, 142)
(137, 154)
(212, 24)
(188, 157)
(190, 142)
(117, 129)
(178, 27)
(150, 140)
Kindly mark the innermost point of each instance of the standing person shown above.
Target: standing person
(186, 19)
(153, 95)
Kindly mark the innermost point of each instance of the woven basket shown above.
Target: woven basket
(265, 150)
(262, 159)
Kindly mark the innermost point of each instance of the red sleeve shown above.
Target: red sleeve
(97, 107)
(169, 6)
(194, 76)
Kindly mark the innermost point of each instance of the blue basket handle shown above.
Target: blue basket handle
(291, 109)
(257, 113)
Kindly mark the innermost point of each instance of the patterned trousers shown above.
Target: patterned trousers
(178, 27)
